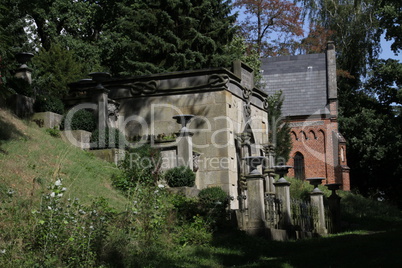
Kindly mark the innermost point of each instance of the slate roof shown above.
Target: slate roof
(303, 80)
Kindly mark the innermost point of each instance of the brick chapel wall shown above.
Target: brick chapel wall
(314, 140)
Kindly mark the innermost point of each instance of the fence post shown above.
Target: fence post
(282, 189)
(317, 200)
(334, 201)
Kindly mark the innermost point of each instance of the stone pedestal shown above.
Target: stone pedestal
(21, 105)
(255, 196)
(256, 209)
(317, 200)
(47, 119)
(184, 141)
(185, 149)
(282, 190)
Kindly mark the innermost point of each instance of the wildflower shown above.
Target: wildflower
(49, 208)
(161, 186)
(2, 251)
(63, 189)
(156, 191)
(58, 182)
(10, 192)
(60, 195)
(53, 194)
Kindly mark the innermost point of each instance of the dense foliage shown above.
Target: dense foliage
(81, 120)
(180, 176)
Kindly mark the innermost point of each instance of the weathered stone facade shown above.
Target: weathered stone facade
(224, 104)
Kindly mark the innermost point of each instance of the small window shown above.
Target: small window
(299, 166)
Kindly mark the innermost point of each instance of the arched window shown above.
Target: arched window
(299, 166)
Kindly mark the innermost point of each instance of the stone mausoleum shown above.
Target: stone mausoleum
(215, 122)
(226, 114)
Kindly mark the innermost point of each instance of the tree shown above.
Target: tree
(272, 25)
(279, 130)
(54, 69)
(316, 40)
(160, 36)
(391, 22)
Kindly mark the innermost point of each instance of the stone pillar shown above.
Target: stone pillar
(184, 142)
(317, 200)
(334, 202)
(100, 97)
(269, 172)
(24, 72)
(282, 189)
(255, 189)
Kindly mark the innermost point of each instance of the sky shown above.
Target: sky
(387, 52)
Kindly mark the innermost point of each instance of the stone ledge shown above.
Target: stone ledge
(47, 119)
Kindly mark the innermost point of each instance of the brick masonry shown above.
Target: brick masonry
(308, 83)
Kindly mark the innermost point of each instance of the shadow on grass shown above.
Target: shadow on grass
(8, 131)
(375, 249)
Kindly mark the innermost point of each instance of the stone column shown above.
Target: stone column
(269, 172)
(317, 200)
(255, 189)
(24, 72)
(282, 189)
(334, 201)
(100, 97)
(184, 141)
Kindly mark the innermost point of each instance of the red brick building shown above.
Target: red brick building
(308, 83)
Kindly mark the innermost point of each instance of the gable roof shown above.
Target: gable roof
(302, 79)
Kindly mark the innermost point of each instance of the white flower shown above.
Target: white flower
(63, 189)
(60, 195)
(161, 186)
(49, 208)
(53, 194)
(2, 251)
(58, 182)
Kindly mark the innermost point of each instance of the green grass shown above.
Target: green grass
(31, 159)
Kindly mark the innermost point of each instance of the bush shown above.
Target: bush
(49, 104)
(180, 176)
(213, 196)
(110, 138)
(82, 120)
(140, 165)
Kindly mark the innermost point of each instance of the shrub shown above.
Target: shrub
(110, 138)
(54, 132)
(82, 120)
(180, 176)
(140, 165)
(213, 196)
(49, 104)
(213, 202)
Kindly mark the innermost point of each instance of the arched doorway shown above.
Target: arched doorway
(299, 166)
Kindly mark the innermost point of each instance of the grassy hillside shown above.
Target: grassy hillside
(39, 228)
(31, 159)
